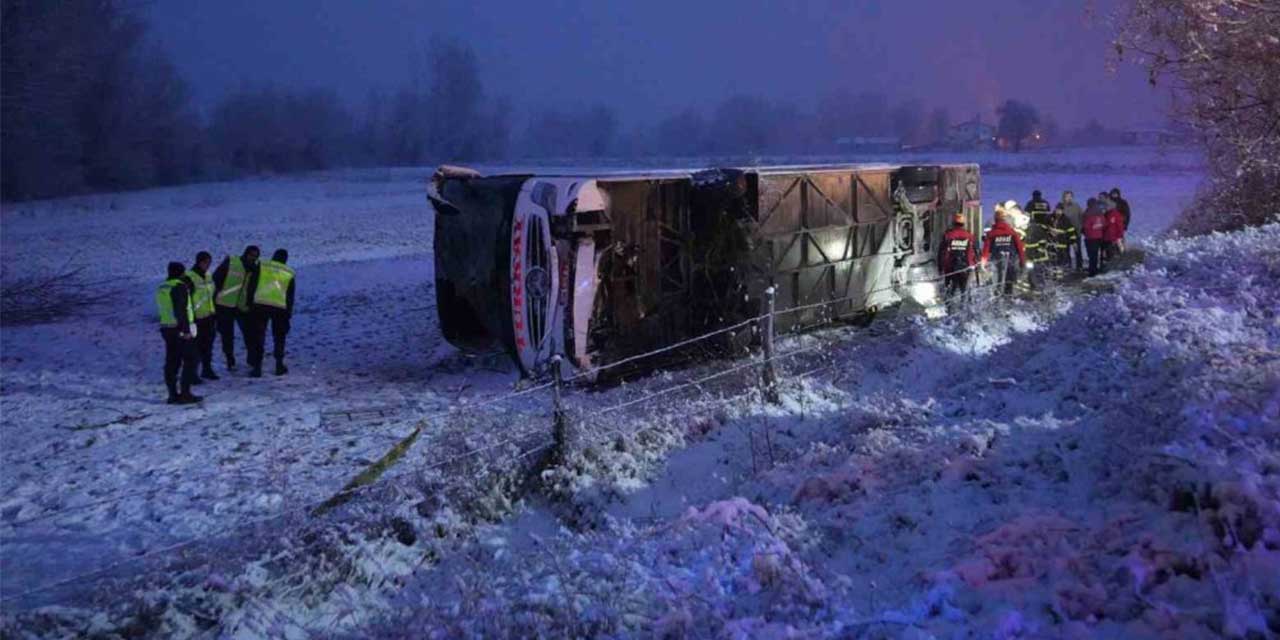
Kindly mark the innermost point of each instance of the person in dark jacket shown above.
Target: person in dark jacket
(230, 301)
(1063, 237)
(179, 331)
(203, 290)
(1037, 204)
(1075, 215)
(1039, 233)
(271, 293)
(1095, 230)
(956, 257)
(1000, 245)
(1113, 234)
(1122, 205)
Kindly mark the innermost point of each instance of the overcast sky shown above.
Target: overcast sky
(649, 58)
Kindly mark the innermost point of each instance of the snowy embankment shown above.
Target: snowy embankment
(99, 474)
(1105, 466)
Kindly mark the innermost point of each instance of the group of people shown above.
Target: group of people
(1022, 238)
(194, 304)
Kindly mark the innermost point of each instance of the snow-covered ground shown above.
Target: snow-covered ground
(994, 470)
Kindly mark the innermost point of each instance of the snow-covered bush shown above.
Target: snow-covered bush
(1219, 58)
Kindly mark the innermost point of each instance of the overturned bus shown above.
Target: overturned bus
(599, 267)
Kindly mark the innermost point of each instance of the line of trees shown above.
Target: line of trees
(90, 103)
(738, 125)
(86, 102)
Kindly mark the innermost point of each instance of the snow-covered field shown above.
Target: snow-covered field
(1093, 464)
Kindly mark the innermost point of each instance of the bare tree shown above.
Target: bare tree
(1219, 59)
(752, 125)
(454, 101)
(939, 126)
(270, 130)
(1017, 121)
(907, 120)
(85, 102)
(46, 48)
(682, 134)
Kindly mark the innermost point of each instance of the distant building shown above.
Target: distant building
(973, 134)
(877, 144)
(1151, 137)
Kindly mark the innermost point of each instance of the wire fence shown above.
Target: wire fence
(549, 442)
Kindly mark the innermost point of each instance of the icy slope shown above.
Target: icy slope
(1104, 467)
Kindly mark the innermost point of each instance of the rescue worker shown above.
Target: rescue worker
(1122, 205)
(1000, 244)
(202, 294)
(1039, 232)
(1016, 218)
(1063, 236)
(1095, 227)
(1113, 234)
(230, 301)
(956, 257)
(1037, 204)
(1075, 216)
(270, 291)
(179, 330)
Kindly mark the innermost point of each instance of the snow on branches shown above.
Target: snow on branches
(1219, 58)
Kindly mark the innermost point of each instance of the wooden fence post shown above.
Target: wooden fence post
(560, 428)
(769, 374)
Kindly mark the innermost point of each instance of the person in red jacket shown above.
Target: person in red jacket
(1113, 234)
(956, 257)
(1095, 230)
(1000, 244)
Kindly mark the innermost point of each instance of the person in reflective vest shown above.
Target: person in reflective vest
(1063, 236)
(179, 331)
(1095, 228)
(1039, 231)
(203, 290)
(230, 302)
(270, 292)
(1000, 245)
(956, 257)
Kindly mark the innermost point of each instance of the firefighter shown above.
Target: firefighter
(1122, 205)
(270, 291)
(1075, 216)
(1095, 227)
(1064, 235)
(1000, 244)
(203, 291)
(956, 257)
(179, 330)
(230, 301)
(1037, 204)
(1038, 232)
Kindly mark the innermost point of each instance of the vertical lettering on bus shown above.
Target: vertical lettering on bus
(517, 281)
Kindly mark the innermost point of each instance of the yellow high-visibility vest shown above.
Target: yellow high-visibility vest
(273, 284)
(164, 304)
(232, 293)
(202, 297)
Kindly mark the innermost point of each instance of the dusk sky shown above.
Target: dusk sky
(650, 59)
